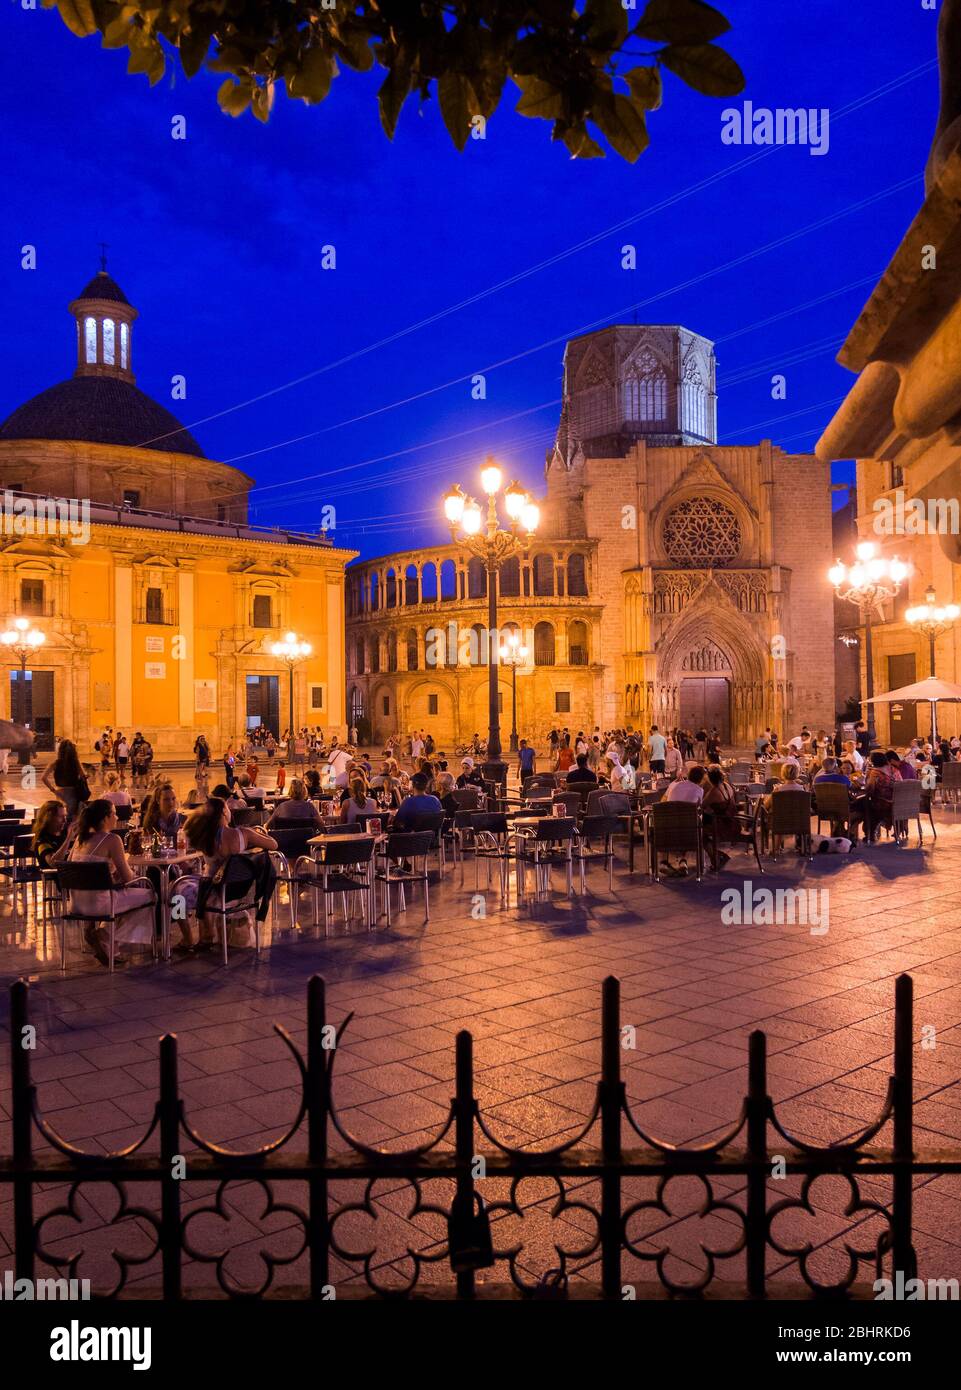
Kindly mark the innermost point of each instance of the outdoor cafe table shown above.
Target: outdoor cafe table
(140, 863)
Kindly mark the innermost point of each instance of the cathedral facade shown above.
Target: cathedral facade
(672, 581)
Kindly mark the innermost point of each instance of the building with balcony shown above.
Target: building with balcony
(672, 580)
(133, 553)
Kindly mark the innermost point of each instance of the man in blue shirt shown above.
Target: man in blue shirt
(657, 750)
(526, 757)
(831, 773)
(419, 803)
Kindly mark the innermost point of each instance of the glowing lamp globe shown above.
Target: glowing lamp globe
(491, 479)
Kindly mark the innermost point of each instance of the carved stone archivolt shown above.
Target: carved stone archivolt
(675, 589)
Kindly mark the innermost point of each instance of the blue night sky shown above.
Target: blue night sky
(217, 241)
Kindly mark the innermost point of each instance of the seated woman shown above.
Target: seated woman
(296, 806)
(358, 803)
(879, 790)
(162, 816)
(93, 837)
(312, 783)
(49, 831)
(113, 791)
(720, 810)
(444, 791)
(210, 833)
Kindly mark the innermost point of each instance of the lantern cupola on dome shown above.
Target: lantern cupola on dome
(104, 328)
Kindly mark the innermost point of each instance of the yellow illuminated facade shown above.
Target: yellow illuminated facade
(133, 554)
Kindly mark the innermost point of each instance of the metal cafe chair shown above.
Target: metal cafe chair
(545, 846)
(232, 894)
(94, 877)
(906, 807)
(572, 801)
(595, 829)
(744, 829)
(675, 826)
(789, 814)
(491, 837)
(291, 848)
(22, 871)
(404, 846)
(344, 866)
(832, 803)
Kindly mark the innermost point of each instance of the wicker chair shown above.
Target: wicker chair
(789, 814)
(675, 826)
(833, 804)
(905, 807)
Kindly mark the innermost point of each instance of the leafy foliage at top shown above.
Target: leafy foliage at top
(577, 65)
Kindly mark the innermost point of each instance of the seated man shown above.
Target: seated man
(470, 775)
(419, 803)
(908, 770)
(830, 772)
(689, 788)
(582, 773)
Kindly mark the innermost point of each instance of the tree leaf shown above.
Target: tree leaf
(680, 21)
(539, 98)
(582, 145)
(607, 22)
(457, 105)
(78, 16)
(394, 92)
(622, 124)
(193, 49)
(234, 97)
(311, 83)
(646, 86)
(706, 68)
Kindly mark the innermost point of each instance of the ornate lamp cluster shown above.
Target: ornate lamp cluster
(493, 545)
(292, 651)
(22, 639)
(868, 583)
(932, 620)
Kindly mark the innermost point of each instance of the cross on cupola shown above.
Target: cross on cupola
(104, 326)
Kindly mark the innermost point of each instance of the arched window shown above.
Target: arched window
(448, 581)
(411, 595)
(428, 583)
(392, 651)
(451, 659)
(578, 644)
(543, 576)
(476, 579)
(124, 346)
(412, 650)
(576, 575)
(390, 587)
(509, 578)
(108, 342)
(478, 645)
(695, 409)
(544, 645)
(359, 664)
(645, 391)
(375, 654)
(356, 705)
(90, 339)
(374, 592)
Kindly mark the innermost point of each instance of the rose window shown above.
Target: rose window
(702, 534)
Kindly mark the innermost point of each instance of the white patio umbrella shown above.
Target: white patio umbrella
(931, 690)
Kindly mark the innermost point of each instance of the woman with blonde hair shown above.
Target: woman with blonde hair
(113, 791)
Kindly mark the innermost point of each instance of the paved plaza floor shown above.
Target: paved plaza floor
(526, 981)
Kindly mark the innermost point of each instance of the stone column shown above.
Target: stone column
(188, 641)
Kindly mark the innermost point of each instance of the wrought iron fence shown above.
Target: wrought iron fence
(592, 1179)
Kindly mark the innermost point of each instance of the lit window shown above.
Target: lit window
(124, 345)
(108, 332)
(90, 339)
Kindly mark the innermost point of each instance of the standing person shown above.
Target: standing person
(565, 755)
(862, 738)
(526, 760)
(270, 743)
(352, 734)
(229, 764)
(714, 746)
(673, 761)
(700, 745)
(300, 752)
(202, 754)
(657, 751)
(281, 776)
(416, 748)
(65, 778)
(104, 746)
(121, 755)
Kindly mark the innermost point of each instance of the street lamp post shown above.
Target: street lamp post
(868, 583)
(22, 641)
(292, 652)
(513, 654)
(493, 545)
(932, 621)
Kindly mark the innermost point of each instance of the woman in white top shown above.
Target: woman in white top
(93, 837)
(113, 791)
